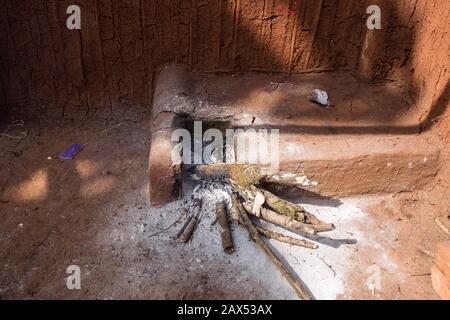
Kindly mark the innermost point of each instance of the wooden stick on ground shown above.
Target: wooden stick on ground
(227, 240)
(286, 239)
(188, 229)
(296, 285)
(234, 211)
(290, 223)
(290, 209)
(284, 207)
(267, 233)
(244, 179)
(282, 221)
(188, 219)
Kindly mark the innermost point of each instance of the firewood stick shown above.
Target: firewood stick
(325, 227)
(284, 207)
(188, 219)
(271, 234)
(256, 237)
(286, 239)
(290, 209)
(312, 218)
(244, 178)
(282, 221)
(187, 232)
(295, 211)
(234, 211)
(227, 240)
(291, 223)
(243, 175)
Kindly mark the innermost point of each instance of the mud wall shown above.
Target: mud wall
(109, 64)
(414, 47)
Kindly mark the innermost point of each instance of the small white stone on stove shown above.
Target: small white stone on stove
(320, 96)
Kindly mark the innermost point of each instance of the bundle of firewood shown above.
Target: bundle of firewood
(248, 199)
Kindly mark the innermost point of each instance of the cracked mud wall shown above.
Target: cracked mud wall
(109, 64)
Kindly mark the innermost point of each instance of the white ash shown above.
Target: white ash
(212, 193)
(329, 271)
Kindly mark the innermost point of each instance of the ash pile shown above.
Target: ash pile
(233, 194)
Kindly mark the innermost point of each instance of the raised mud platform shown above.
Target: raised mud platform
(369, 141)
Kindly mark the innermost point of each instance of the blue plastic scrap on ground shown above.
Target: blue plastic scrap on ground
(71, 152)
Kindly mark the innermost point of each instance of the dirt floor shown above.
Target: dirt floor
(93, 211)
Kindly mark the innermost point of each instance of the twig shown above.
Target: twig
(256, 237)
(441, 224)
(164, 230)
(421, 275)
(328, 265)
(110, 128)
(426, 252)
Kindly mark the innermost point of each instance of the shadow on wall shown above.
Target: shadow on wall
(109, 64)
(411, 50)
